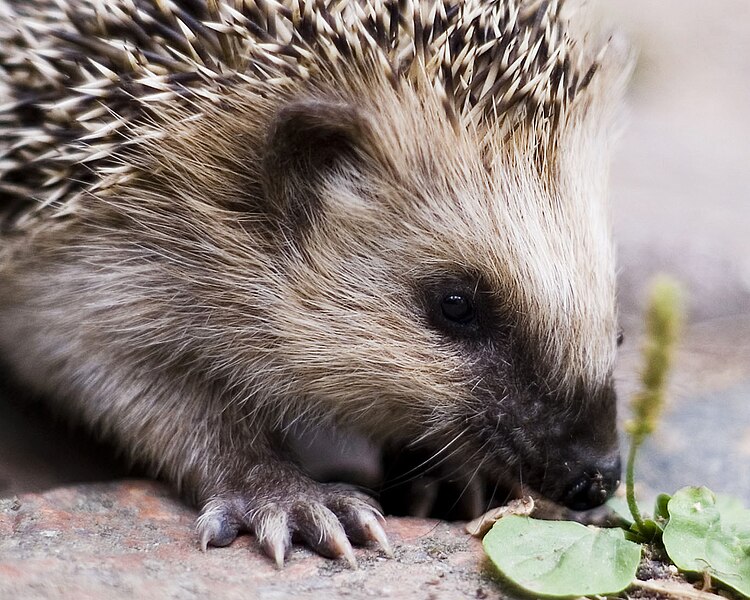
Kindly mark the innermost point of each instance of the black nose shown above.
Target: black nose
(594, 486)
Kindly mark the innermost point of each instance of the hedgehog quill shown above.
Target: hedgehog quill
(222, 218)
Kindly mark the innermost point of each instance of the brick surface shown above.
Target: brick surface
(132, 539)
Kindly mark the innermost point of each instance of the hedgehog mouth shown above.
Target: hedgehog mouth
(587, 492)
(562, 465)
(581, 488)
(575, 484)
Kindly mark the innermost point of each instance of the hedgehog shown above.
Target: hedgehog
(224, 221)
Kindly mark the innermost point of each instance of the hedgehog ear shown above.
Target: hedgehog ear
(307, 141)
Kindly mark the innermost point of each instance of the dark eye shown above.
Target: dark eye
(620, 338)
(457, 308)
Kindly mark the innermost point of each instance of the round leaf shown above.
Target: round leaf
(562, 558)
(706, 534)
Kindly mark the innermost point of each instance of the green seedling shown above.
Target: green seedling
(662, 324)
(700, 532)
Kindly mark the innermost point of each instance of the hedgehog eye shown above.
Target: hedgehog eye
(620, 338)
(457, 308)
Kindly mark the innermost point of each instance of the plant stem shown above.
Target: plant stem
(662, 322)
(635, 442)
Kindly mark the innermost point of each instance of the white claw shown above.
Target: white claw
(205, 538)
(348, 554)
(217, 523)
(376, 533)
(278, 551)
(273, 533)
(341, 545)
(208, 524)
(276, 547)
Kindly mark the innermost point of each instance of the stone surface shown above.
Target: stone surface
(704, 443)
(133, 540)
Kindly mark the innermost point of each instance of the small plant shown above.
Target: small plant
(662, 324)
(698, 531)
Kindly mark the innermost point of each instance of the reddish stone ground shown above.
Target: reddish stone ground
(134, 540)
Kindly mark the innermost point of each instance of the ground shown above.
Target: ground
(681, 188)
(132, 539)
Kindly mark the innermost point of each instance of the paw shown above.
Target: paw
(326, 518)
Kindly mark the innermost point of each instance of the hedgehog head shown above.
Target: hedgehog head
(443, 285)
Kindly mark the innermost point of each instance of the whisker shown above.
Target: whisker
(404, 477)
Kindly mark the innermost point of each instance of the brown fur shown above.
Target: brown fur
(271, 251)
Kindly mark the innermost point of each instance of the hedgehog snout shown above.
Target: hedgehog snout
(591, 485)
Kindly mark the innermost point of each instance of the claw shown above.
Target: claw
(277, 551)
(205, 538)
(363, 523)
(321, 529)
(348, 555)
(272, 531)
(216, 525)
(372, 527)
(328, 521)
(341, 546)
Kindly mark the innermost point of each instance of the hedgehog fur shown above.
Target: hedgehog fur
(224, 218)
(80, 75)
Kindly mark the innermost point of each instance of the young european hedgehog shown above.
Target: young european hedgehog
(226, 218)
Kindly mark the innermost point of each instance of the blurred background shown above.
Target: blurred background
(681, 193)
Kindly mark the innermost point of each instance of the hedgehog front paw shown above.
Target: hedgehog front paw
(327, 518)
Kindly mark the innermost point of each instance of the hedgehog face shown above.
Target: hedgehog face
(454, 291)
(529, 420)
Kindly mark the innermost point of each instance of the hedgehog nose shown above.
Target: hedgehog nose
(595, 485)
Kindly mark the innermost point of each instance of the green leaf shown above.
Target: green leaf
(646, 531)
(661, 513)
(706, 534)
(649, 531)
(620, 506)
(562, 558)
